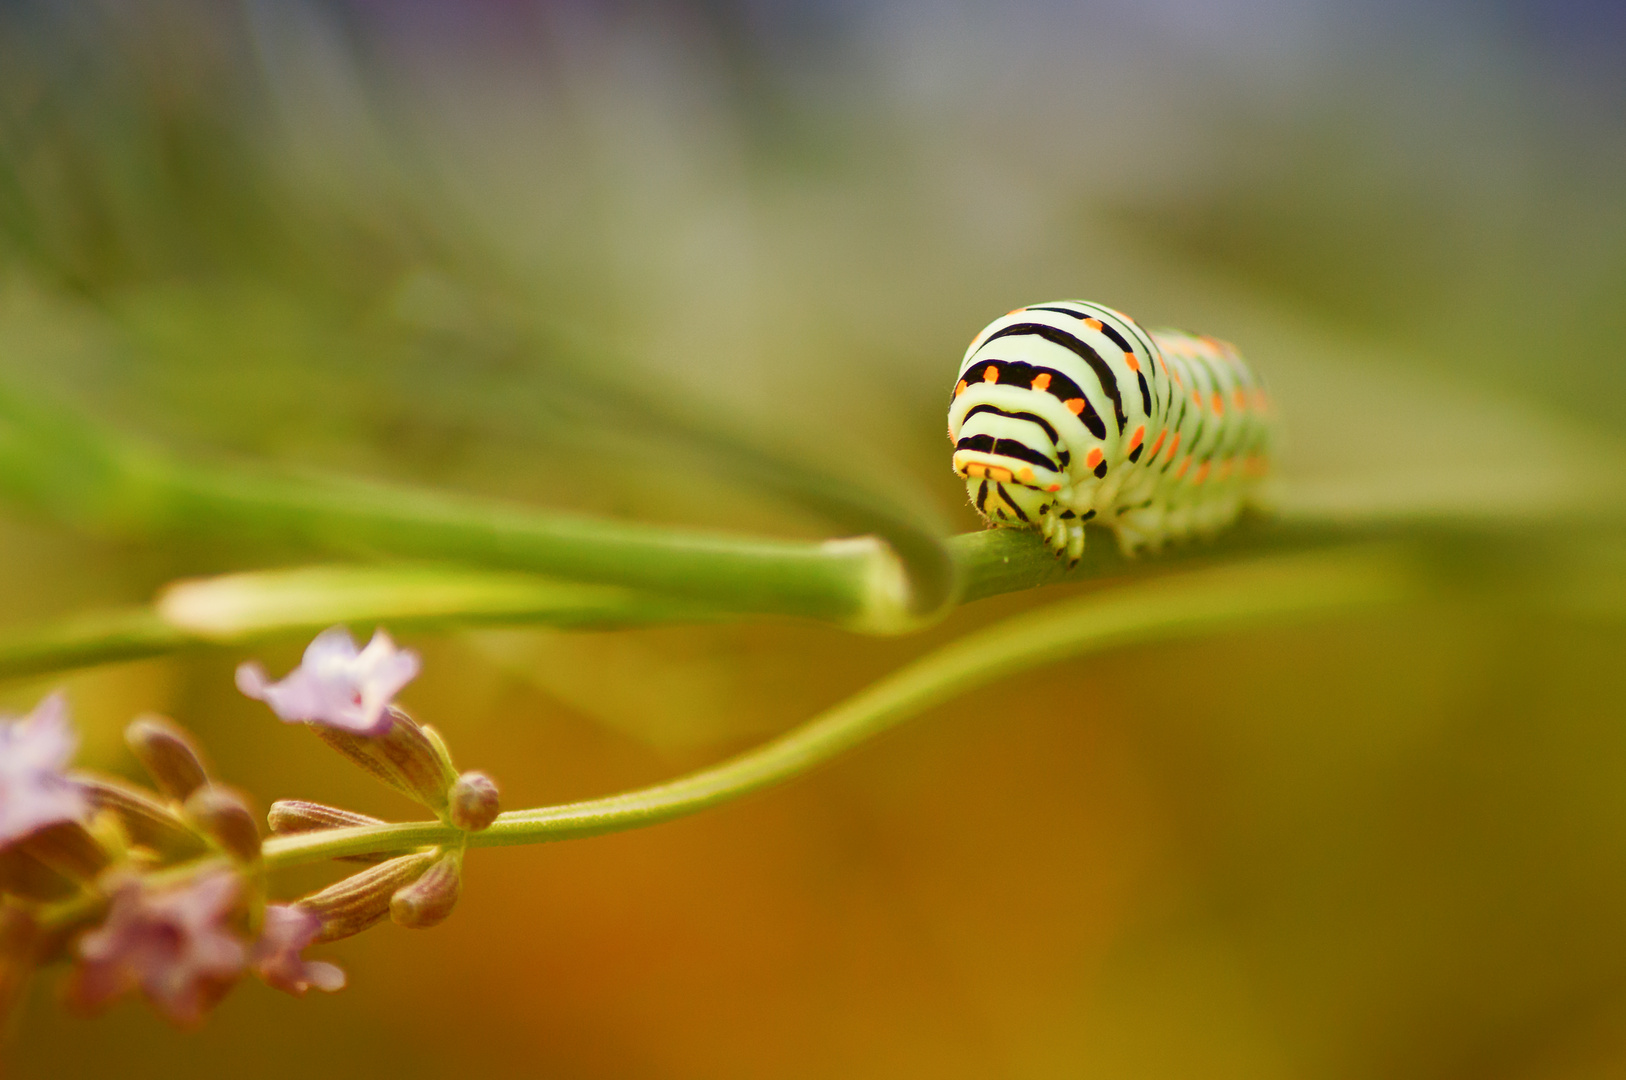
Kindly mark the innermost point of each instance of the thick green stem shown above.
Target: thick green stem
(1174, 606)
(837, 581)
(60, 464)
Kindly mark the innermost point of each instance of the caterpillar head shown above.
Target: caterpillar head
(1011, 464)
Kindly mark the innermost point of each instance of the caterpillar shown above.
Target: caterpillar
(1068, 412)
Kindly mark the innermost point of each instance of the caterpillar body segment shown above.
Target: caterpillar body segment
(1069, 412)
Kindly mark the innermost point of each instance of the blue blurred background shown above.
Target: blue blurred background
(473, 245)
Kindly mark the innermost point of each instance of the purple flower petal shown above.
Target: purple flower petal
(172, 944)
(335, 685)
(288, 929)
(33, 752)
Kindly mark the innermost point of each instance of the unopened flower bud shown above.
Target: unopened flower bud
(473, 801)
(26, 878)
(408, 757)
(225, 815)
(429, 900)
(20, 940)
(350, 906)
(297, 816)
(168, 753)
(68, 848)
(146, 821)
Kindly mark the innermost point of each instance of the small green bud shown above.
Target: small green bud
(473, 801)
(350, 906)
(429, 900)
(168, 753)
(224, 814)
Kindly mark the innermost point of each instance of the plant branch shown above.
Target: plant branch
(1180, 605)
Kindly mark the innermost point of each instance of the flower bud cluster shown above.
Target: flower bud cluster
(417, 890)
(156, 891)
(162, 891)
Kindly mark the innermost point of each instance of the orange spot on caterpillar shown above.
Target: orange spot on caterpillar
(1015, 311)
(1053, 487)
(1094, 457)
(1025, 475)
(1184, 465)
(1197, 400)
(976, 469)
(1158, 445)
(1175, 445)
(1093, 324)
(1129, 358)
(1201, 474)
(1041, 381)
(1240, 398)
(1219, 404)
(1074, 405)
(958, 390)
(1000, 475)
(1135, 439)
(991, 373)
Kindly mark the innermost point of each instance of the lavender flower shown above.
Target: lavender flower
(33, 791)
(335, 685)
(174, 944)
(288, 929)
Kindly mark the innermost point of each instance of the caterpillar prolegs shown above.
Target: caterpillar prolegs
(1069, 412)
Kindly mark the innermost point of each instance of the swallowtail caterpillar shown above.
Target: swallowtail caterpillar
(1069, 412)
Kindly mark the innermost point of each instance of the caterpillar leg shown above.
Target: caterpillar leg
(1141, 527)
(1075, 542)
(1063, 533)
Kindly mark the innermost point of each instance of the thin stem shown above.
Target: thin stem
(1175, 606)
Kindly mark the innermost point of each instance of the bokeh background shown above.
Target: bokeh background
(481, 245)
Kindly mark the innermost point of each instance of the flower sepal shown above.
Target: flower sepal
(409, 756)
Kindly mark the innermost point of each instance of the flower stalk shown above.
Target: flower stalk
(1254, 593)
(183, 932)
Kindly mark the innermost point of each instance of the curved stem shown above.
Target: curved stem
(1174, 606)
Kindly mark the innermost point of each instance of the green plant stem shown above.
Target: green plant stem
(60, 464)
(1252, 593)
(1564, 570)
(832, 581)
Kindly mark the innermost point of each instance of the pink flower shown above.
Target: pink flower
(335, 685)
(33, 792)
(173, 944)
(288, 929)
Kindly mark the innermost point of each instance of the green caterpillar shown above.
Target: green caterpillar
(1069, 412)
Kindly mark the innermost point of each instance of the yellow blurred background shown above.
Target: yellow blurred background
(465, 245)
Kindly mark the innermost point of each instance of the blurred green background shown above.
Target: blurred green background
(478, 246)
